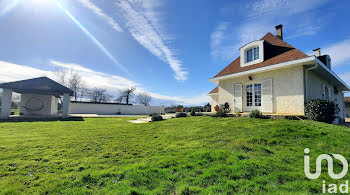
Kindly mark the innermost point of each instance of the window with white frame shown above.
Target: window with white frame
(249, 90)
(252, 54)
(257, 94)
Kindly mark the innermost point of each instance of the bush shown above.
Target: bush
(180, 114)
(237, 113)
(193, 113)
(157, 117)
(221, 113)
(320, 110)
(255, 114)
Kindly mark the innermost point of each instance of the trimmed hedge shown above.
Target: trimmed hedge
(320, 110)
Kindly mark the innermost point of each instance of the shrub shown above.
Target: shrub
(157, 117)
(237, 113)
(180, 114)
(255, 114)
(193, 113)
(320, 110)
(221, 113)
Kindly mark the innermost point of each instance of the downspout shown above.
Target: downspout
(306, 79)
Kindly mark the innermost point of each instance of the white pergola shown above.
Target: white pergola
(37, 89)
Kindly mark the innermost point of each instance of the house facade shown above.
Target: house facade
(274, 77)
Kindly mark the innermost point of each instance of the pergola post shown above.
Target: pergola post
(65, 106)
(6, 103)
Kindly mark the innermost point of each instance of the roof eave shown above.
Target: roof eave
(282, 65)
(265, 68)
(332, 73)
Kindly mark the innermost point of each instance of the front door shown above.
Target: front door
(253, 96)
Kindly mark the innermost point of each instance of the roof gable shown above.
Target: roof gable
(41, 85)
(275, 51)
(215, 90)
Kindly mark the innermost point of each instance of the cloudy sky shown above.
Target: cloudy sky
(167, 48)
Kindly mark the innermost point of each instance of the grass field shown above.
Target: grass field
(176, 156)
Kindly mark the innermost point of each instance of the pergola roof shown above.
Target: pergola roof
(41, 85)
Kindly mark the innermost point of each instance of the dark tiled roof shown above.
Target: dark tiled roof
(347, 99)
(216, 90)
(275, 50)
(41, 85)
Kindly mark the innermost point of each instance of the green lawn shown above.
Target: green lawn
(181, 156)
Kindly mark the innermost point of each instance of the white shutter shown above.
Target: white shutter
(267, 96)
(323, 91)
(238, 101)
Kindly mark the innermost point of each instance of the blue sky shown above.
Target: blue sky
(166, 48)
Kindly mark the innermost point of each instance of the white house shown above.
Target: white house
(274, 77)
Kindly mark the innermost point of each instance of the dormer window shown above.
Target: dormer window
(252, 53)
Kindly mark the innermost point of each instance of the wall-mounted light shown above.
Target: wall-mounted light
(250, 78)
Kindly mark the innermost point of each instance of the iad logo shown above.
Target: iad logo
(332, 188)
(330, 165)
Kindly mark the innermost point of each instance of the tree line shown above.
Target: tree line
(75, 82)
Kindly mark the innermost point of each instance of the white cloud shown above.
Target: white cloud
(305, 28)
(7, 5)
(98, 11)
(145, 27)
(339, 52)
(113, 83)
(261, 17)
(283, 7)
(13, 72)
(226, 40)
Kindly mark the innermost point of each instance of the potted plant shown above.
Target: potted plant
(216, 108)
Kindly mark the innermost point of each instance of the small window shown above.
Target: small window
(257, 94)
(249, 90)
(250, 55)
(256, 53)
(253, 54)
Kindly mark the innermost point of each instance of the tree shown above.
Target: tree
(99, 95)
(144, 98)
(127, 94)
(119, 99)
(72, 80)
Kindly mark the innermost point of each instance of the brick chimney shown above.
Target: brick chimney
(279, 33)
(317, 52)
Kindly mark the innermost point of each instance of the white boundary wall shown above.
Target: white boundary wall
(90, 108)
